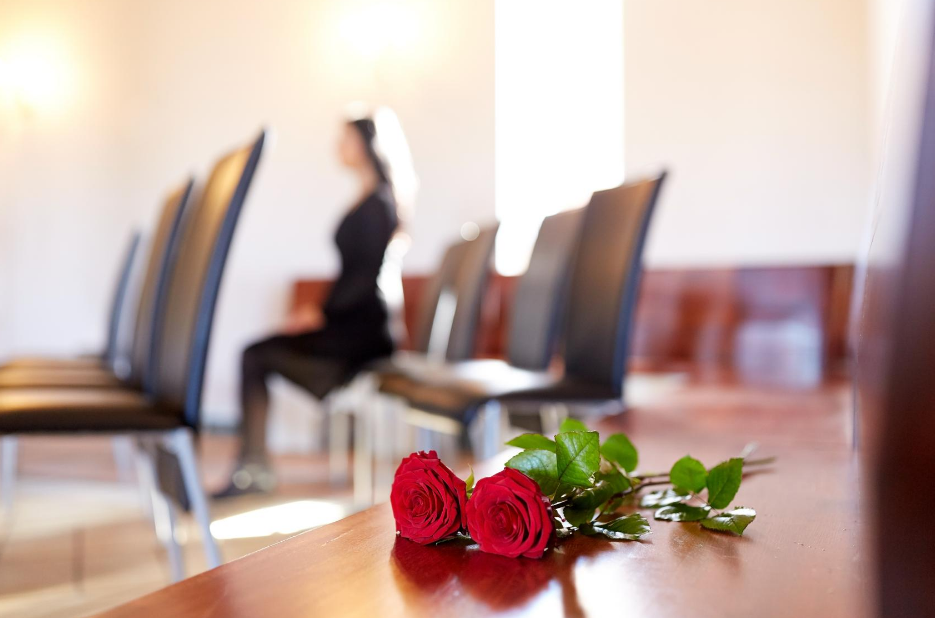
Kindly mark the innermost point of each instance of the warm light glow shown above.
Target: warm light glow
(559, 113)
(288, 518)
(375, 30)
(34, 76)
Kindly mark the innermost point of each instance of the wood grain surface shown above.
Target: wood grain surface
(801, 557)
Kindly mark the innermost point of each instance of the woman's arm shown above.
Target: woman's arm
(304, 319)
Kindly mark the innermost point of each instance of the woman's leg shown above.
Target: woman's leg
(259, 360)
(316, 360)
(254, 400)
(288, 355)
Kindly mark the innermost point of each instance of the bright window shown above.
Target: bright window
(559, 113)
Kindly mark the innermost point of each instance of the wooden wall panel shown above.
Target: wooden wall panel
(787, 323)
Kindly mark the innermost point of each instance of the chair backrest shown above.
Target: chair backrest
(162, 252)
(121, 308)
(450, 309)
(605, 282)
(182, 343)
(470, 286)
(429, 321)
(542, 292)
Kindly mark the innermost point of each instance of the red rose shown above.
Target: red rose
(428, 499)
(508, 515)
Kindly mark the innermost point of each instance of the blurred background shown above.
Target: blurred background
(765, 114)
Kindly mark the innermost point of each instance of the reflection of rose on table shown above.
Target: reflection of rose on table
(499, 582)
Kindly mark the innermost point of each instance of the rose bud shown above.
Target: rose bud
(428, 499)
(508, 515)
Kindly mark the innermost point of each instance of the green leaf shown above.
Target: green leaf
(619, 483)
(564, 491)
(682, 512)
(578, 457)
(592, 497)
(724, 481)
(614, 479)
(572, 424)
(533, 440)
(588, 530)
(662, 498)
(736, 520)
(627, 528)
(540, 466)
(584, 504)
(618, 449)
(577, 516)
(469, 483)
(688, 474)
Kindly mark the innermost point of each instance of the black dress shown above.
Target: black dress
(357, 319)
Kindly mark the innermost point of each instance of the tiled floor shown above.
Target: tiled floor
(78, 540)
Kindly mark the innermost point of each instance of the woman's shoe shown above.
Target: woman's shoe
(248, 479)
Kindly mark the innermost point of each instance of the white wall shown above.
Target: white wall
(884, 17)
(760, 109)
(559, 126)
(295, 68)
(63, 209)
(186, 80)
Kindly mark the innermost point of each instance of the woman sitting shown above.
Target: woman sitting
(321, 348)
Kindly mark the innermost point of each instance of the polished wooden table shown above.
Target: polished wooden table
(801, 557)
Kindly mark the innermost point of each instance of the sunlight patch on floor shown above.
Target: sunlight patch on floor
(288, 518)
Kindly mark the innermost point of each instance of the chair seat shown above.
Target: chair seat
(459, 389)
(88, 377)
(40, 362)
(82, 410)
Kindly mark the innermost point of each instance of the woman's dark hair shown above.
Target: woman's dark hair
(388, 152)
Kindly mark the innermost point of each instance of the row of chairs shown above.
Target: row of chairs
(158, 402)
(569, 336)
(585, 263)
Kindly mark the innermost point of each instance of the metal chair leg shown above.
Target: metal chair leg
(363, 456)
(145, 477)
(404, 441)
(185, 451)
(551, 416)
(9, 445)
(162, 511)
(122, 447)
(173, 549)
(383, 448)
(488, 443)
(339, 437)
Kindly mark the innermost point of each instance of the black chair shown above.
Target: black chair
(163, 246)
(170, 412)
(603, 291)
(118, 367)
(113, 355)
(450, 308)
(447, 324)
(538, 308)
(120, 312)
(539, 304)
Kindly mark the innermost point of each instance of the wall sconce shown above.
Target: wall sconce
(33, 79)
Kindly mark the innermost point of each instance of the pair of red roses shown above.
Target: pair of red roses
(506, 513)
